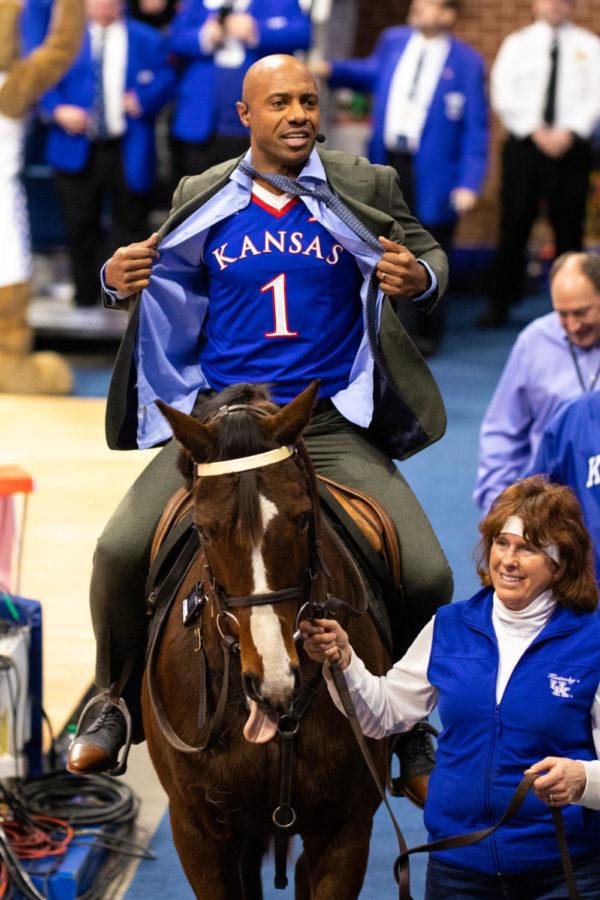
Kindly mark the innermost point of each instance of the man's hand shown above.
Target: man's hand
(73, 119)
(463, 200)
(131, 105)
(563, 782)
(399, 273)
(553, 142)
(243, 28)
(129, 268)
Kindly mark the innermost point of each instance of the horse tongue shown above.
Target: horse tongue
(261, 726)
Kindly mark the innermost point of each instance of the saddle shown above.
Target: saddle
(367, 524)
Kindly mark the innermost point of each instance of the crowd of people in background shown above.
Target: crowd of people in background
(185, 62)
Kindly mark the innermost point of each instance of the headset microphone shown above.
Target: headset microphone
(320, 138)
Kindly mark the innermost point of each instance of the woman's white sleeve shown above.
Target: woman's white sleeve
(591, 792)
(396, 701)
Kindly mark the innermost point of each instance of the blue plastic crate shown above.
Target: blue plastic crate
(71, 876)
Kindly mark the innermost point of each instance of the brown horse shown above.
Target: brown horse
(265, 555)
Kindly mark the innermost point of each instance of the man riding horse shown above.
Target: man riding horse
(257, 277)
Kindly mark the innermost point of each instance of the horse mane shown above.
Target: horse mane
(239, 435)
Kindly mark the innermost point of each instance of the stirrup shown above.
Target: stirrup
(106, 697)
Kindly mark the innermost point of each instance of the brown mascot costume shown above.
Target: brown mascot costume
(22, 83)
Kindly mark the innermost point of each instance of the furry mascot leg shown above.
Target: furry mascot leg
(22, 83)
(23, 372)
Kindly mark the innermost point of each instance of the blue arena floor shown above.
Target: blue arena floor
(442, 477)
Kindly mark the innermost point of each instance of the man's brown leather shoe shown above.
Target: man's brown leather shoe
(97, 748)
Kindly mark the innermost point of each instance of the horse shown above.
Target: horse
(280, 758)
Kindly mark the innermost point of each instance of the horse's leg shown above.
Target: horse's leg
(211, 866)
(302, 878)
(250, 864)
(337, 861)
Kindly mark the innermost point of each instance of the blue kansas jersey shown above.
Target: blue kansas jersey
(284, 300)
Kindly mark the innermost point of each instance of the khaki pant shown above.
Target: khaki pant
(338, 450)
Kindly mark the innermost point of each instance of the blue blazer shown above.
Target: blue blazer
(454, 145)
(282, 28)
(152, 79)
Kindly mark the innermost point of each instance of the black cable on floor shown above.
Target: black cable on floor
(89, 802)
(80, 800)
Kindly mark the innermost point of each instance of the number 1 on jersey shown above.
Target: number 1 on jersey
(278, 287)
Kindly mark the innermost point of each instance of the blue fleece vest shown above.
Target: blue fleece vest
(484, 747)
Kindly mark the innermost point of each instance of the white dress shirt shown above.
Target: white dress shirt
(408, 102)
(521, 71)
(114, 70)
(404, 696)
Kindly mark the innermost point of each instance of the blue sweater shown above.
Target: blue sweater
(569, 453)
(485, 747)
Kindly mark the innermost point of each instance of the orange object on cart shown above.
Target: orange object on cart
(13, 480)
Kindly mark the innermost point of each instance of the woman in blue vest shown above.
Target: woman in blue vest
(515, 674)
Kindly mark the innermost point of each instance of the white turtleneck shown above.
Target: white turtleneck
(515, 630)
(404, 696)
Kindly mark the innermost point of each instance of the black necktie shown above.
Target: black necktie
(324, 193)
(550, 104)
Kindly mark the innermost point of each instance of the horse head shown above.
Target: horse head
(256, 513)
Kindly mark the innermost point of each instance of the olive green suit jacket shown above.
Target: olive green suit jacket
(410, 410)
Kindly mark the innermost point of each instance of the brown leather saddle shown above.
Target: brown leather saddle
(358, 513)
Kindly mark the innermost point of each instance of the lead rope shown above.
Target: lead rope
(401, 865)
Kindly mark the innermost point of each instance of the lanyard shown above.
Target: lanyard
(579, 375)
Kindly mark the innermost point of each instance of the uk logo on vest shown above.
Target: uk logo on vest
(560, 685)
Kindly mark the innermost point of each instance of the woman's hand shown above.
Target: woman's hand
(563, 782)
(326, 640)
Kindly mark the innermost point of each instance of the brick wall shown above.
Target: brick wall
(483, 24)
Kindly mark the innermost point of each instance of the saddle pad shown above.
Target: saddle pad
(374, 523)
(179, 504)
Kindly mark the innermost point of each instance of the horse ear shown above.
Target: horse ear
(287, 425)
(193, 436)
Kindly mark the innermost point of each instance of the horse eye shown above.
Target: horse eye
(304, 521)
(203, 534)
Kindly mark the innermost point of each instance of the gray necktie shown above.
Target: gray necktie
(324, 193)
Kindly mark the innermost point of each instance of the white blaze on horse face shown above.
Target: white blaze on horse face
(265, 627)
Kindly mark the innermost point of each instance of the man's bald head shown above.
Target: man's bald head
(280, 67)
(280, 107)
(575, 289)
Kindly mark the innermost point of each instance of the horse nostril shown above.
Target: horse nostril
(251, 683)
